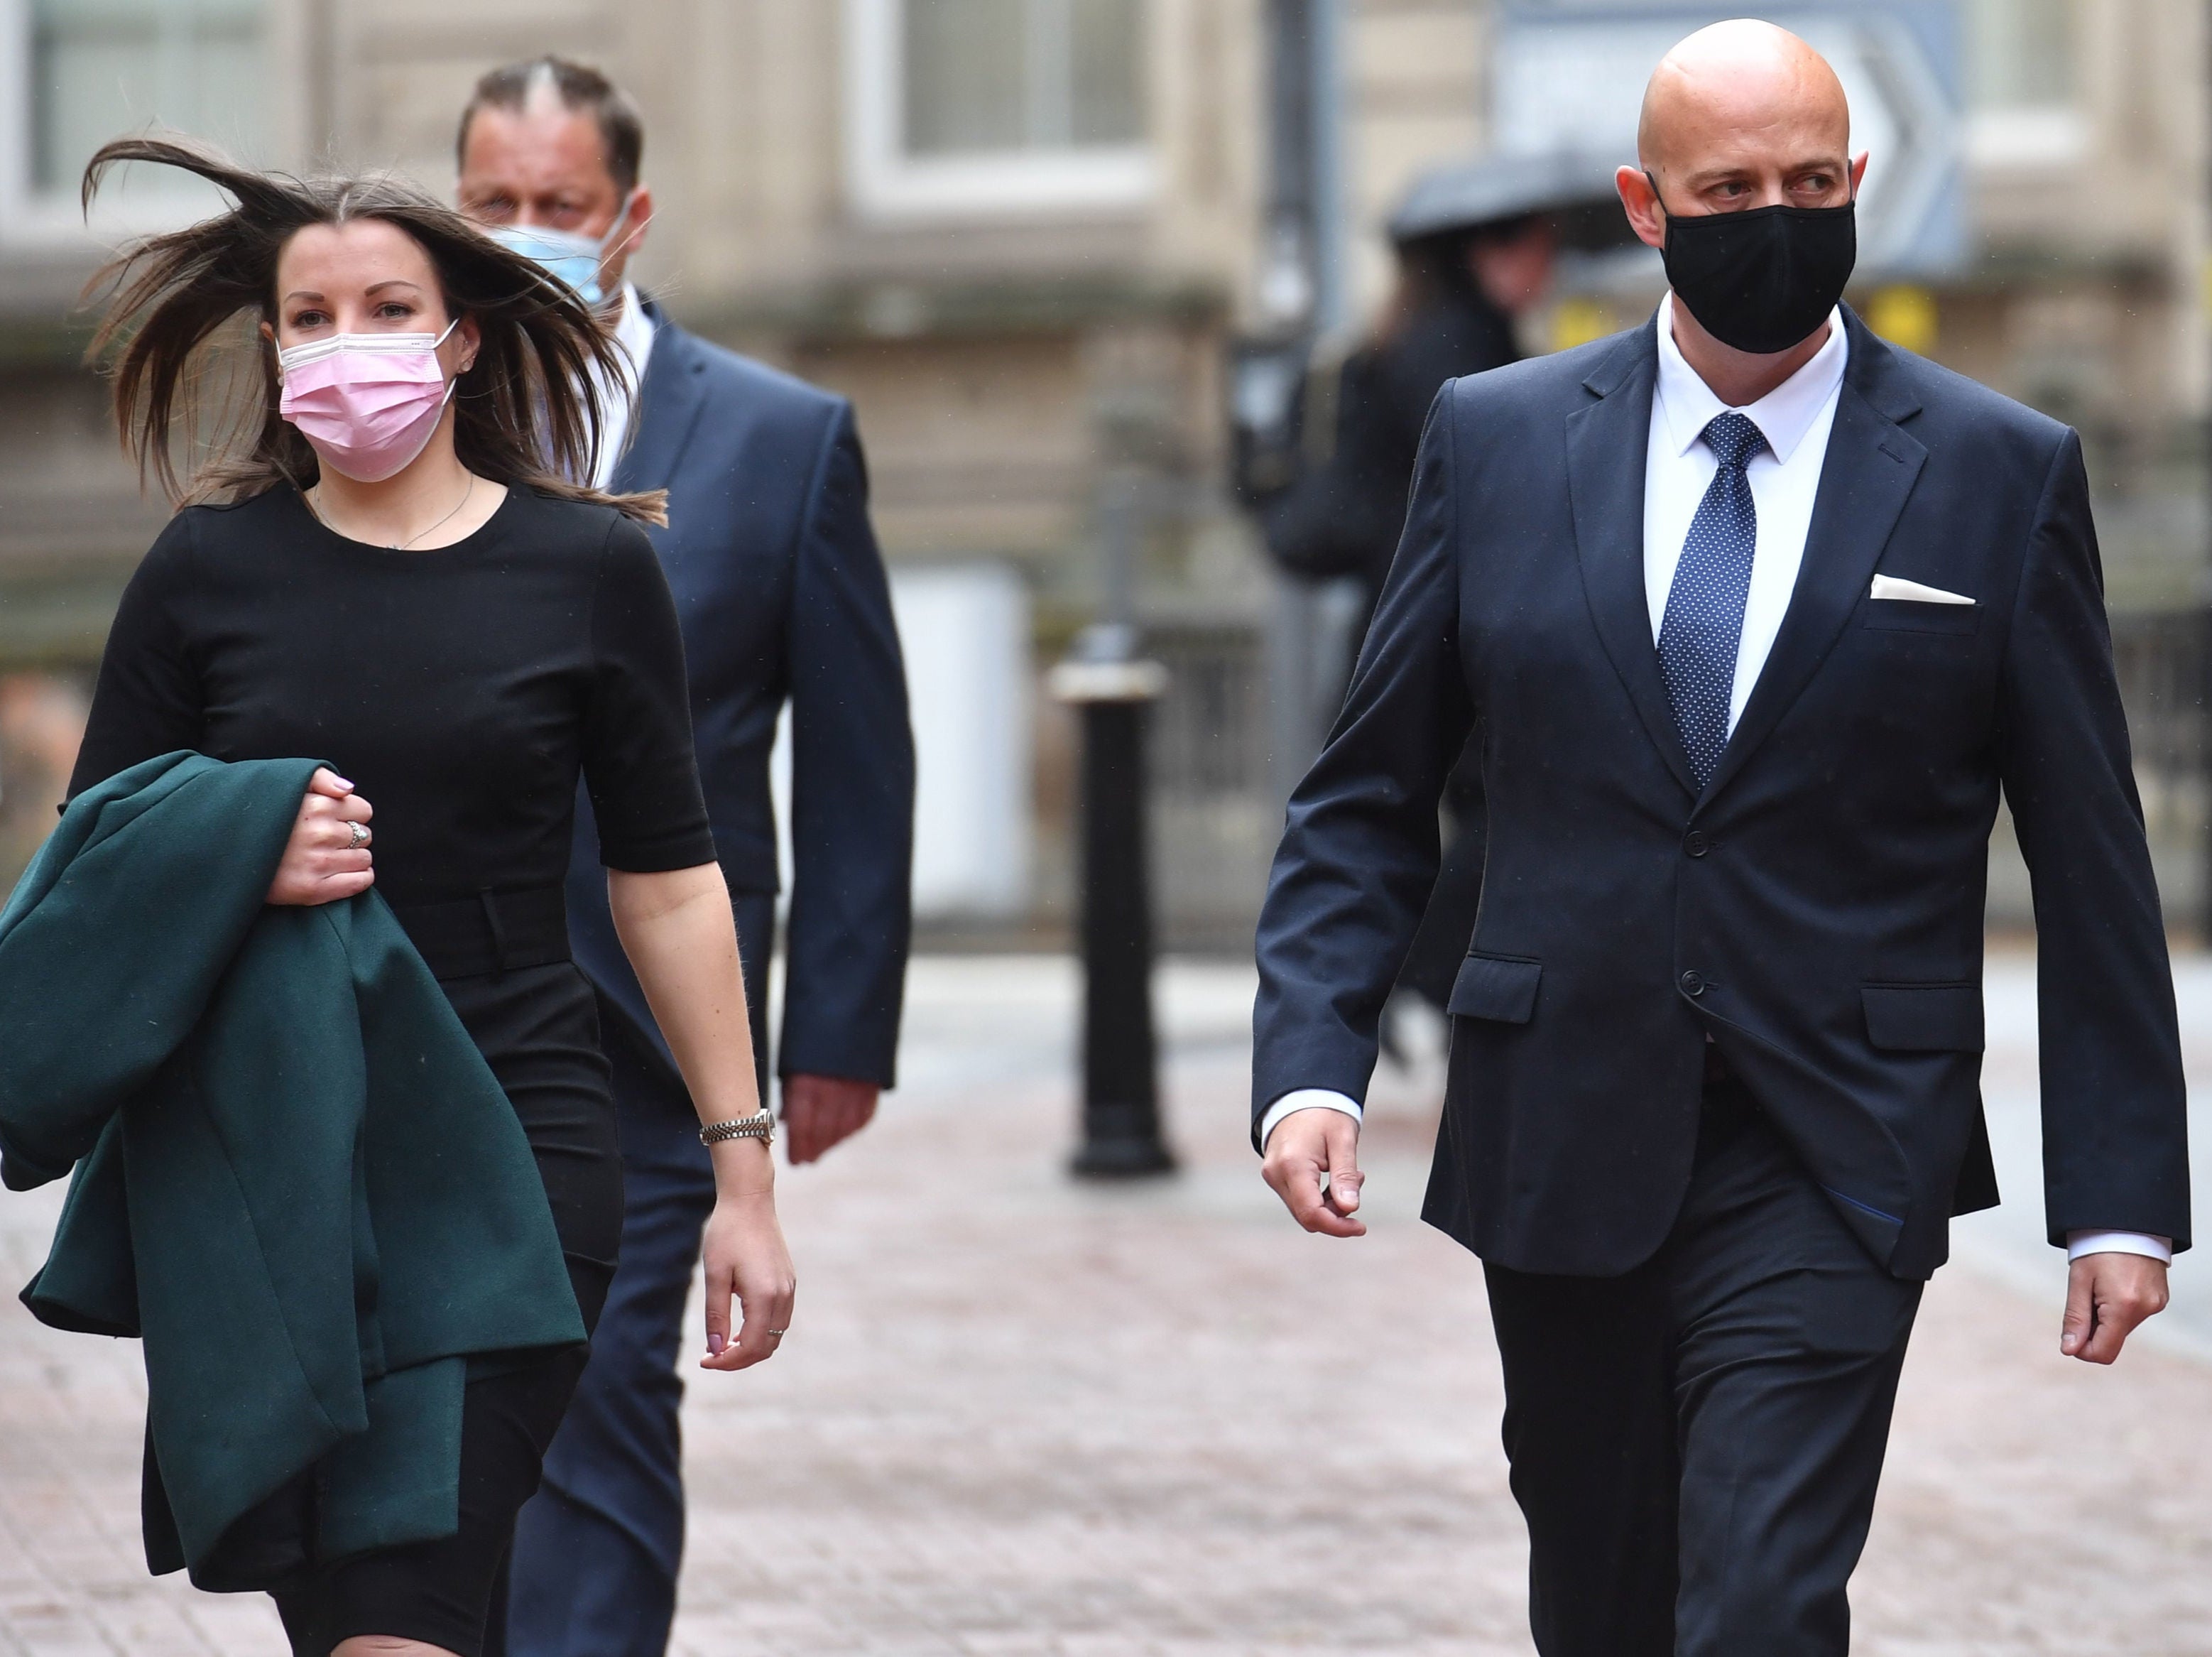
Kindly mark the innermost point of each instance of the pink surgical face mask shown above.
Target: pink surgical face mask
(366, 402)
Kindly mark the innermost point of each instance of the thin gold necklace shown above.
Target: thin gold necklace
(467, 494)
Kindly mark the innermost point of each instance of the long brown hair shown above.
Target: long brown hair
(525, 414)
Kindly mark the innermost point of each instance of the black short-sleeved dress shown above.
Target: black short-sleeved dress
(462, 690)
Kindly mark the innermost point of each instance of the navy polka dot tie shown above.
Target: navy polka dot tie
(1703, 622)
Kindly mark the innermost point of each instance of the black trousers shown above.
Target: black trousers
(1696, 1445)
(598, 1550)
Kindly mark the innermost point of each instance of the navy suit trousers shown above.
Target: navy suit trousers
(1696, 1445)
(596, 1551)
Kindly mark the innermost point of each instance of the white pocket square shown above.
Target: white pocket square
(1889, 587)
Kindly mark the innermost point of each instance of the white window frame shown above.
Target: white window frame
(2028, 137)
(887, 182)
(36, 221)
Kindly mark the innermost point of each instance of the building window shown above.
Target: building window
(1001, 76)
(2021, 85)
(89, 70)
(961, 106)
(2021, 54)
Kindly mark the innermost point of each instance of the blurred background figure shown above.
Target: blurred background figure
(1478, 246)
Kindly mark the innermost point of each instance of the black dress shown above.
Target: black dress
(462, 690)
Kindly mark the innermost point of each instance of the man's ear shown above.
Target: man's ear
(1858, 171)
(1641, 202)
(629, 236)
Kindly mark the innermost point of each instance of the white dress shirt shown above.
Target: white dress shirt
(1796, 419)
(618, 394)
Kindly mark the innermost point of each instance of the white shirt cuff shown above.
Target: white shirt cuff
(2079, 1243)
(1306, 1098)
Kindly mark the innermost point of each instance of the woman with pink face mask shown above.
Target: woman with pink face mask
(382, 564)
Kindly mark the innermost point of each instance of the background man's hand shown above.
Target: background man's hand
(1306, 1145)
(820, 1111)
(2106, 1296)
(322, 862)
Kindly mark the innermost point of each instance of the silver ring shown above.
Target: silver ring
(360, 836)
(778, 1334)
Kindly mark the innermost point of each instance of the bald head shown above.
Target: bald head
(1740, 105)
(1739, 116)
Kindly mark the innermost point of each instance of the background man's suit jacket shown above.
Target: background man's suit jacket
(781, 591)
(1818, 910)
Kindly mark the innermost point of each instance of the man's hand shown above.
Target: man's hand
(1305, 1146)
(2106, 1296)
(326, 858)
(818, 1111)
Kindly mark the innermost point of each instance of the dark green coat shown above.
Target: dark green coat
(296, 1177)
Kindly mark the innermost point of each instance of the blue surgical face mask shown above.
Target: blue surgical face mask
(569, 257)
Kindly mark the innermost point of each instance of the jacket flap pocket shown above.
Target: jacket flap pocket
(1924, 1018)
(1495, 987)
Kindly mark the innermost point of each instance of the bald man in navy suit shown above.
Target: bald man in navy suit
(1762, 616)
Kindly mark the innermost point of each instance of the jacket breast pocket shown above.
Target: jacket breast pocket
(1924, 1018)
(1500, 987)
(1916, 616)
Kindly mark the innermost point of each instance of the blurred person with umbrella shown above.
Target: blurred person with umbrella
(782, 598)
(1477, 245)
(1764, 615)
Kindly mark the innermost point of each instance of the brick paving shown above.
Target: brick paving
(1019, 1416)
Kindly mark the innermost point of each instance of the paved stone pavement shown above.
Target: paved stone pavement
(1020, 1416)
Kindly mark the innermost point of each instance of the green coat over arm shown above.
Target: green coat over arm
(295, 1177)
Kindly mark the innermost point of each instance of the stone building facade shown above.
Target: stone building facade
(1020, 234)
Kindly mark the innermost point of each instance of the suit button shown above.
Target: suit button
(1693, 984)
(1696, 844)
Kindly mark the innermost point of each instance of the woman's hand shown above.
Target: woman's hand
(326, 858)
(745, 1256)
(675, 926)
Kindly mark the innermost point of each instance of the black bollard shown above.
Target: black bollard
(1120, 1061)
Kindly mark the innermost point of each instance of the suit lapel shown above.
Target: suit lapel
(669, 399)
(1871, 466)
(1607, 443)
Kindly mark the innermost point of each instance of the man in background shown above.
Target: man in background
(782, 597)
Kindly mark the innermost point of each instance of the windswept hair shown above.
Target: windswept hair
(183, 305)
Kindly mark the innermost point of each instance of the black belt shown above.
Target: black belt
(492, 932)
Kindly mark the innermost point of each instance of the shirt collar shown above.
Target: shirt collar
(633, 332)
(1783, 416)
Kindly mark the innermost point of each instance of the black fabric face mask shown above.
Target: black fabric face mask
(1763, 279)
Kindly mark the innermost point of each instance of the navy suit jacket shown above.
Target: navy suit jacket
(781, 593)
(1817, 909)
